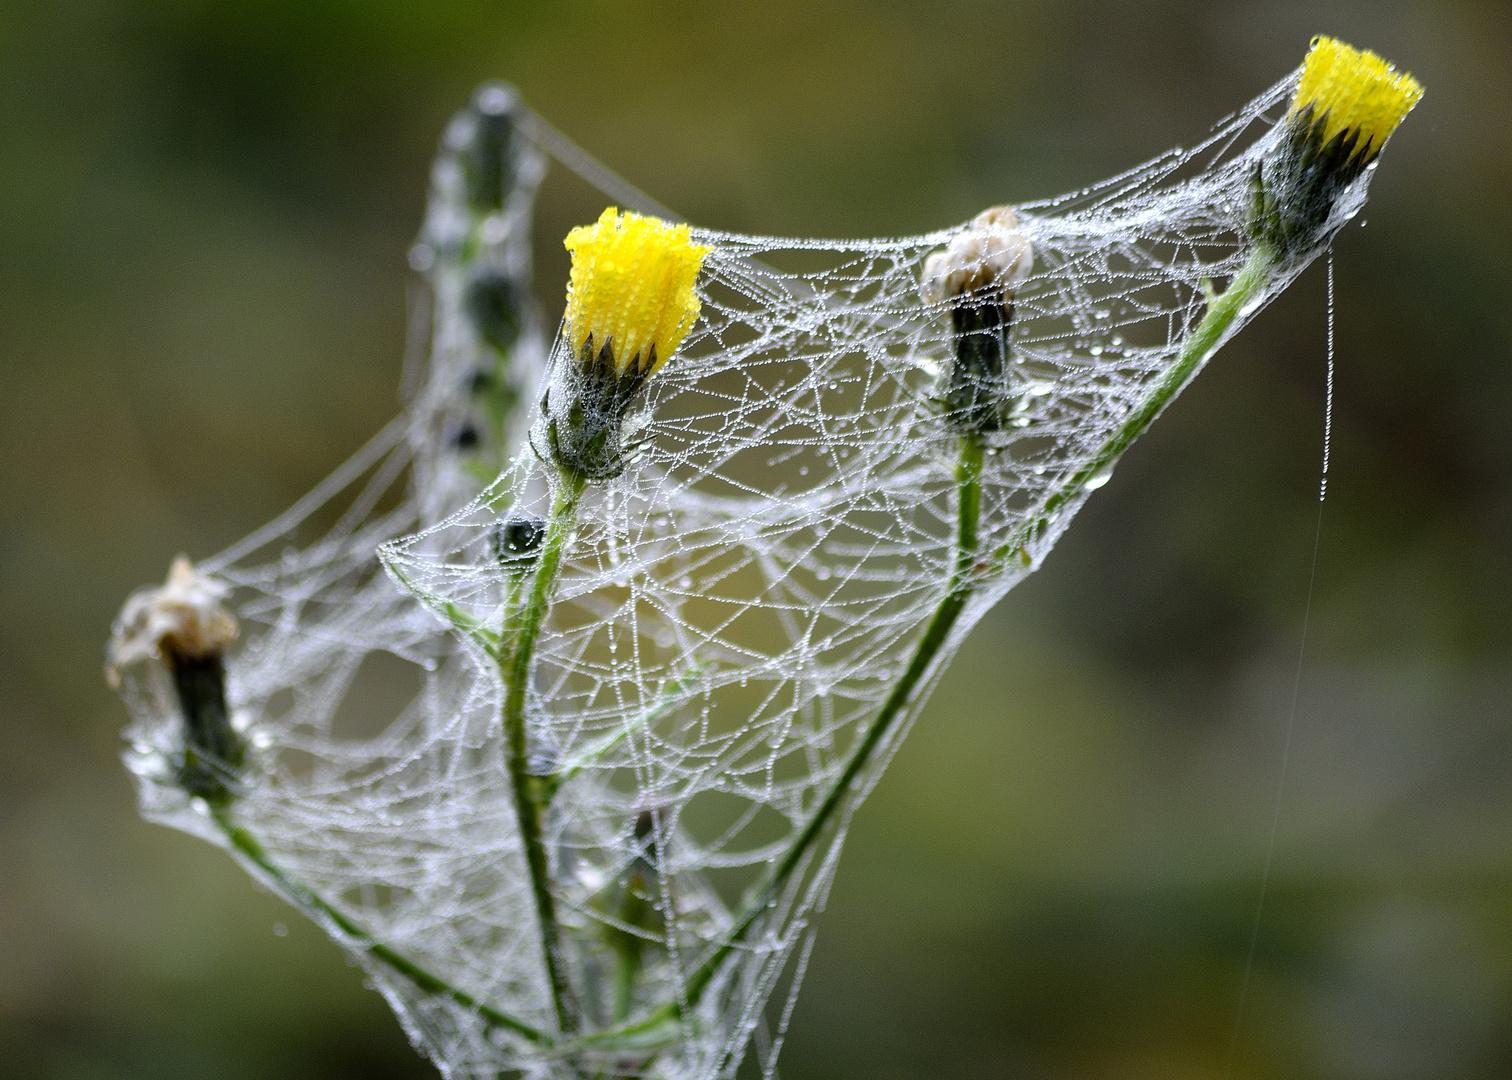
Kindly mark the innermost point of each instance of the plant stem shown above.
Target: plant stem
(307, 900)
(1221, 313)
(962, 583)
(515, 663)
(1203, 342)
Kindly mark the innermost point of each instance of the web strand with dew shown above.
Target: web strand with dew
(806, 511)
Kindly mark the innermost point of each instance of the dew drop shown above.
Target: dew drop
(142, 763)
(685, 582)
(823, 573)
(1098, 479)
(422, 257)
(495, 229)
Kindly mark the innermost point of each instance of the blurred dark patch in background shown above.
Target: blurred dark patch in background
(204, 214)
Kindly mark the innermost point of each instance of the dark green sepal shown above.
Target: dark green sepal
(496, 305)
(1293, 190)
(586, 435)
(975, 394)
(489, 155)
(214, 751)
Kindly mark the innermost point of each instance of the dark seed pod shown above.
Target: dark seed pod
(518, 539)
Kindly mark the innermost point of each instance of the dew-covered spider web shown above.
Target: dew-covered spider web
(732, 613)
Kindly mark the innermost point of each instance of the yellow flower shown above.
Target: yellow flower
(1347, 105)
(1354, 96)
(632, 288)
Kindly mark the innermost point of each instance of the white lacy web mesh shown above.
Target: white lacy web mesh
(731, 614)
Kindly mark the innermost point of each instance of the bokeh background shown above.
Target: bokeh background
(204, 213)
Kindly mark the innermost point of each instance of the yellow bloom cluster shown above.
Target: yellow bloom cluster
(1350, 90)
(632, 288)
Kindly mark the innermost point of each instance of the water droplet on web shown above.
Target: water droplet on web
(1099, 478)
(143, 763)
(823, 573)
(1096, 350)
(803, 471)
(262, 740)
(494, 229)
(684, 582)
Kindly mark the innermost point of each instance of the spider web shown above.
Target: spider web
(733, 609)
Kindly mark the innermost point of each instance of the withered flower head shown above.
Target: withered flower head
(976, 277)
(184, 618)
(185, 624)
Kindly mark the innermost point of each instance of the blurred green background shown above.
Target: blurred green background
(204, 213)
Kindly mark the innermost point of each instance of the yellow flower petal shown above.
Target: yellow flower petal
(632, 286)
(1348, 89)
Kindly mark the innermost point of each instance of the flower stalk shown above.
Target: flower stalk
(520, 635)
(317, 908)
(963, 581)
(630, 303)
(186, 625)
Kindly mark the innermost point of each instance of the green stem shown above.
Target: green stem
(515, 663)
(1221, 313)
(962, 584)
(308, 901)
(1204, 341)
